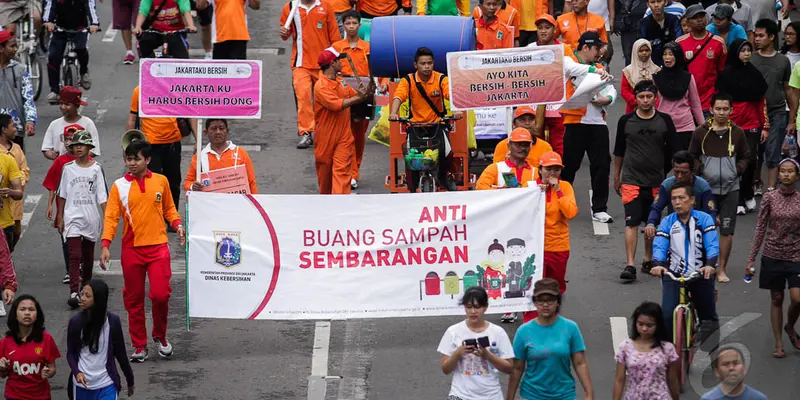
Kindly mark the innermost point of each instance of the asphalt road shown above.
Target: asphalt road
(376, 359)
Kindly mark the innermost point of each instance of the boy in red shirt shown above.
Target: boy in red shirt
(143, 200)
(705, 54)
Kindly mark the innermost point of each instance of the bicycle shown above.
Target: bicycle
(70, 68)
(164, 47)
(421, 150)
(684, 325)
(28, 51)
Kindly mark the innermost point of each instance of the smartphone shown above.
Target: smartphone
(510, 179)
(471, 342)
(483, 341)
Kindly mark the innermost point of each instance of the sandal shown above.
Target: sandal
(779, 353)
(795, 339)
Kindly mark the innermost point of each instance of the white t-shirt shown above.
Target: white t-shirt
(93, 365)
(83, 189)
(476, 378)
(54, 137)
(599, 7)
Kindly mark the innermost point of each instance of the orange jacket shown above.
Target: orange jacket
(232, 156)
(494, 35)
(561, 207)
(340, 6)
(571, 27)
(491, 177)
(329, 112)
(380, 8)
(143, 205)
(318, 30)
(508, 15)
(537, 149)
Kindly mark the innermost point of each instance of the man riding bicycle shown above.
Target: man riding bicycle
(69, 15)
(426, 91)
(164, 16)
(687, 241)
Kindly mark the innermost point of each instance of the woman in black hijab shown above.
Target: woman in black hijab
(747, 87)
(677, 94)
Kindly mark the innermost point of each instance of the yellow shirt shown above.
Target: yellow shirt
(22, 163)
(8, 172)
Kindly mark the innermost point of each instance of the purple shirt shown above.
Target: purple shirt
(686, 113)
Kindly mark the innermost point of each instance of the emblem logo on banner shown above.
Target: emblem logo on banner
(229, 249)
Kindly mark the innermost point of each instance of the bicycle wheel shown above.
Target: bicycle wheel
(680, 345)
(35, 73)
(71, 75)
(427, 185)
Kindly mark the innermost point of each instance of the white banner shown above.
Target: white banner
(491, 123)
(366, 256)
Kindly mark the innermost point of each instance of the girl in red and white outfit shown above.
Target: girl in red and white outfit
(27, 353)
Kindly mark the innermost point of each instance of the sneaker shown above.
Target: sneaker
(306, 141)
(647, 266)
(129, 58)
(758, 188)
(740, 210)
(86, 81)
(2, 310)
(628, 274)
(603, 217)
(73, 300)
(353, 184)
(66, 278)
(164, 347)
(750, 205)
(139, 355)
(208, 55)
(508, 318)
(52, 98)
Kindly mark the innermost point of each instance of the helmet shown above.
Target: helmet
(82, 137)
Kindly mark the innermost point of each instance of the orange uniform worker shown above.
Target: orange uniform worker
(225, 155)
(143, 200)
(507, 14)
(513, 171)
(334, 148)
(529, 12)
(359, 52)
(339, 8)
(314, 29)
(561, 207)
(491, 33)
(572, 25)
(370, 9)
(525, 118)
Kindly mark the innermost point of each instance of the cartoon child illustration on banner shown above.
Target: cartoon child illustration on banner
(492, 270)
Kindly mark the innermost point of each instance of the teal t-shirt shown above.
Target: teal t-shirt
(547, 351)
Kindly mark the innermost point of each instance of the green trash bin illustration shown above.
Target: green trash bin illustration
(451, 281)
(470, 279)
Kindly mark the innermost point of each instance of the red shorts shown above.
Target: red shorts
(124, 13)
(555, 267)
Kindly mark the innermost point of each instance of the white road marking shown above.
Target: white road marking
(250, 52)
(110, 34)
(189, 148)
(115, 268)
(619, 331)
(101, 112)
(600, 228)
(317, 383)
(31, 199)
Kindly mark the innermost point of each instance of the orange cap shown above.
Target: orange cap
(550, 159)
(520, 111)
(520, 135)
(545, 17)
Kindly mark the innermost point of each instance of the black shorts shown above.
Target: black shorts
(203, 16)
(776, 274)
(726, 204)
(528, 37)
(637, 206)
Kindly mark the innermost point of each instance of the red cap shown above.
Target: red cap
(545, 17)
(520, 111)
(520, 135)
(5, 35)
(328, 56)
(70, 130)
(71, 95)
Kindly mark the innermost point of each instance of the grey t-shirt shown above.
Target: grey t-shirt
(748, 394)
(644, 145)
(776, 71)
(742, 15)
(760, 9)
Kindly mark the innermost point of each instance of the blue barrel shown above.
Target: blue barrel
(394, 40)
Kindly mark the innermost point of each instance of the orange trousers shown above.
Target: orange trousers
(303, 81)
(333, 155)
(359, 130)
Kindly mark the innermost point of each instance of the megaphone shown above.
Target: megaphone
(131, 135)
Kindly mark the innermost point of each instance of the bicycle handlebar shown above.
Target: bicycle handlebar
(162, 33)
(407, 121)
(694, 275)
(60, 29)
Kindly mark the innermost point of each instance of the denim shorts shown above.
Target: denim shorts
(777, 131)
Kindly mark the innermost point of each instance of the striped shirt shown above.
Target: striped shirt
(674, 8)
